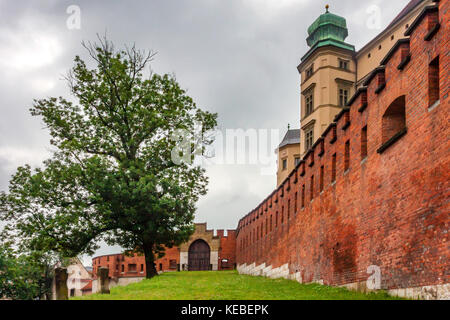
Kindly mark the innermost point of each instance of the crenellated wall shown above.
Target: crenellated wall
(385, 205)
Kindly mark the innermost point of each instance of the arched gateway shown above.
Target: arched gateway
(199, 256)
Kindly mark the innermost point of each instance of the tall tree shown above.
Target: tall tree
(115, 174)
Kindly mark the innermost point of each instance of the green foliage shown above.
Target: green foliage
(26, 277)
(111, 176)
(228, 285)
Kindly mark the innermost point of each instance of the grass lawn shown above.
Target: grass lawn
(227, 285)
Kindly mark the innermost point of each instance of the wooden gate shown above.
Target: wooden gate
(199, 256)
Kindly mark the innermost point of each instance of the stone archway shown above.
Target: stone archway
(199, 256)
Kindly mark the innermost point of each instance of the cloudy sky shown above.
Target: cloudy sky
(235, 57)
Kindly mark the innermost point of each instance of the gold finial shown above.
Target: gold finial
(327, 7)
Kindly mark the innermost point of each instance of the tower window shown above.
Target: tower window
(309, 137)
(284, 164)
(343, 97)
(297, 160)
(343, 64)
(309, 103)
(433, 82)
(309, 72)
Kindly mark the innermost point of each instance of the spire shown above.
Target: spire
(326, 8)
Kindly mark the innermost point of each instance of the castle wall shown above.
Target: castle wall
(389, 209)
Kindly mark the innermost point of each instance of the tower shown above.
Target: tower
(328, 76)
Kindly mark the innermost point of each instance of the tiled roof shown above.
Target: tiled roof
(291, 137)
(87, 287)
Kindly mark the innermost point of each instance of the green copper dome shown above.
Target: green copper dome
(327, 26)
(328, 29)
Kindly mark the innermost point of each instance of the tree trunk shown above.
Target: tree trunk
(150, 265)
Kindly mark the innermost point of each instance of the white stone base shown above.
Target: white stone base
(434, 292)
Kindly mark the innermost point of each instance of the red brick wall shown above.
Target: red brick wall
(390, 209)
(227, 249)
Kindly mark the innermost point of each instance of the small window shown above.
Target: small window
(284, 164)
(123, 268)
(364, 143)
(369, 55)
(309, 137)
(309, 103)
(407, 26)
(160, 267)
(297, 160)
(132, 268)
(312, 188)
(142, 268)
(309, 72)
(433, 82)
(343, 64)
(379, 47)
(343, 97)
(392, 37)
(173, 264)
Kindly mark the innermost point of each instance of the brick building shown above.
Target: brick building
(372, 190)
(203, 251)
